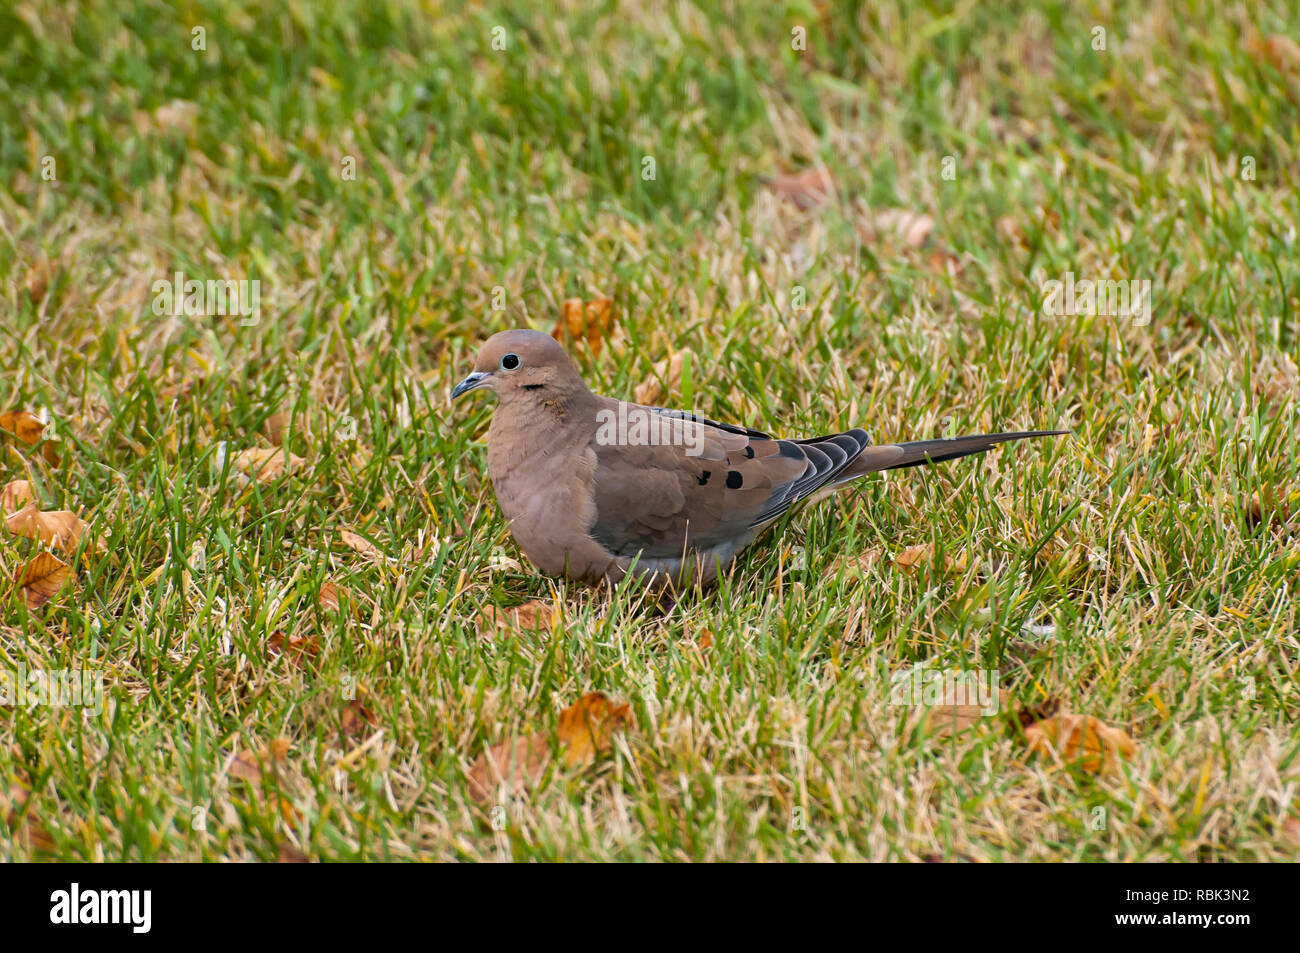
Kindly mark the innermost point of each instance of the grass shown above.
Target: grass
(1159, 540)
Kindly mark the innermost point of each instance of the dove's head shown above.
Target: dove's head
(521, 364)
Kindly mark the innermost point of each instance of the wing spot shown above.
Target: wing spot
(749, 453)
(734, 480)
(704, 477)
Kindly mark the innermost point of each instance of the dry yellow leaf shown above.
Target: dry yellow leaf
(266, 463)
(61, 529)
(1095, 745)
(41, 578)
(589, 321)
(16, 495)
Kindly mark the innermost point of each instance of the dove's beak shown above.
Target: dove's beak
(477, 379)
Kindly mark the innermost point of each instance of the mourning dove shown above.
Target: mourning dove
(595, 488)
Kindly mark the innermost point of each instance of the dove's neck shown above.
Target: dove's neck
(527, 425)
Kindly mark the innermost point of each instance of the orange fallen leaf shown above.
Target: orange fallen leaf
(27, 427)
(959, 711)
(909, 559)
(806, 190)
(34, 832)
(61, 529)
(359, 543)
(1095, 745)
(585, 729)
(16, 495)
(38, 280)
(300, 648)
(356, 719)
(533, 615)
(276, 426)
(265, 464)
(1279, 50)
(250, 765)
(589, 321)
(288, 854)
(41, 578)
(331, 593)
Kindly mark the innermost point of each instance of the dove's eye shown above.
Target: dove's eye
(510, 361)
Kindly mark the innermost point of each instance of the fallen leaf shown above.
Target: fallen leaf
(533, 615)
(27, 427)
(360, 544)
(265, 464)
(288, 854)
(250, 765)
(36, 834)
(38, 279)
(589, 321)
(300, 648)
(1291, 829)
(959, 711)
(1279, 50)
(276, 425)
(355, 719)
(858, 564)
(61, 529)
(806, 190)
(665, 380)
(16, 495)
(41, 578)
(1095, 745)
(517, 762)
(331, 593)
(24, 425)
(585, 729)
(910, 559)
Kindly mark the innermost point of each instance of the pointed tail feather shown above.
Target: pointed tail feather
(895, 456)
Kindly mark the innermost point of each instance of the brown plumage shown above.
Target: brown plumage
(595, 488)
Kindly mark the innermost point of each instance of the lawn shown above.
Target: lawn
(293, 584)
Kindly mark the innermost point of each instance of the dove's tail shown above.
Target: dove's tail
(895, 456)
